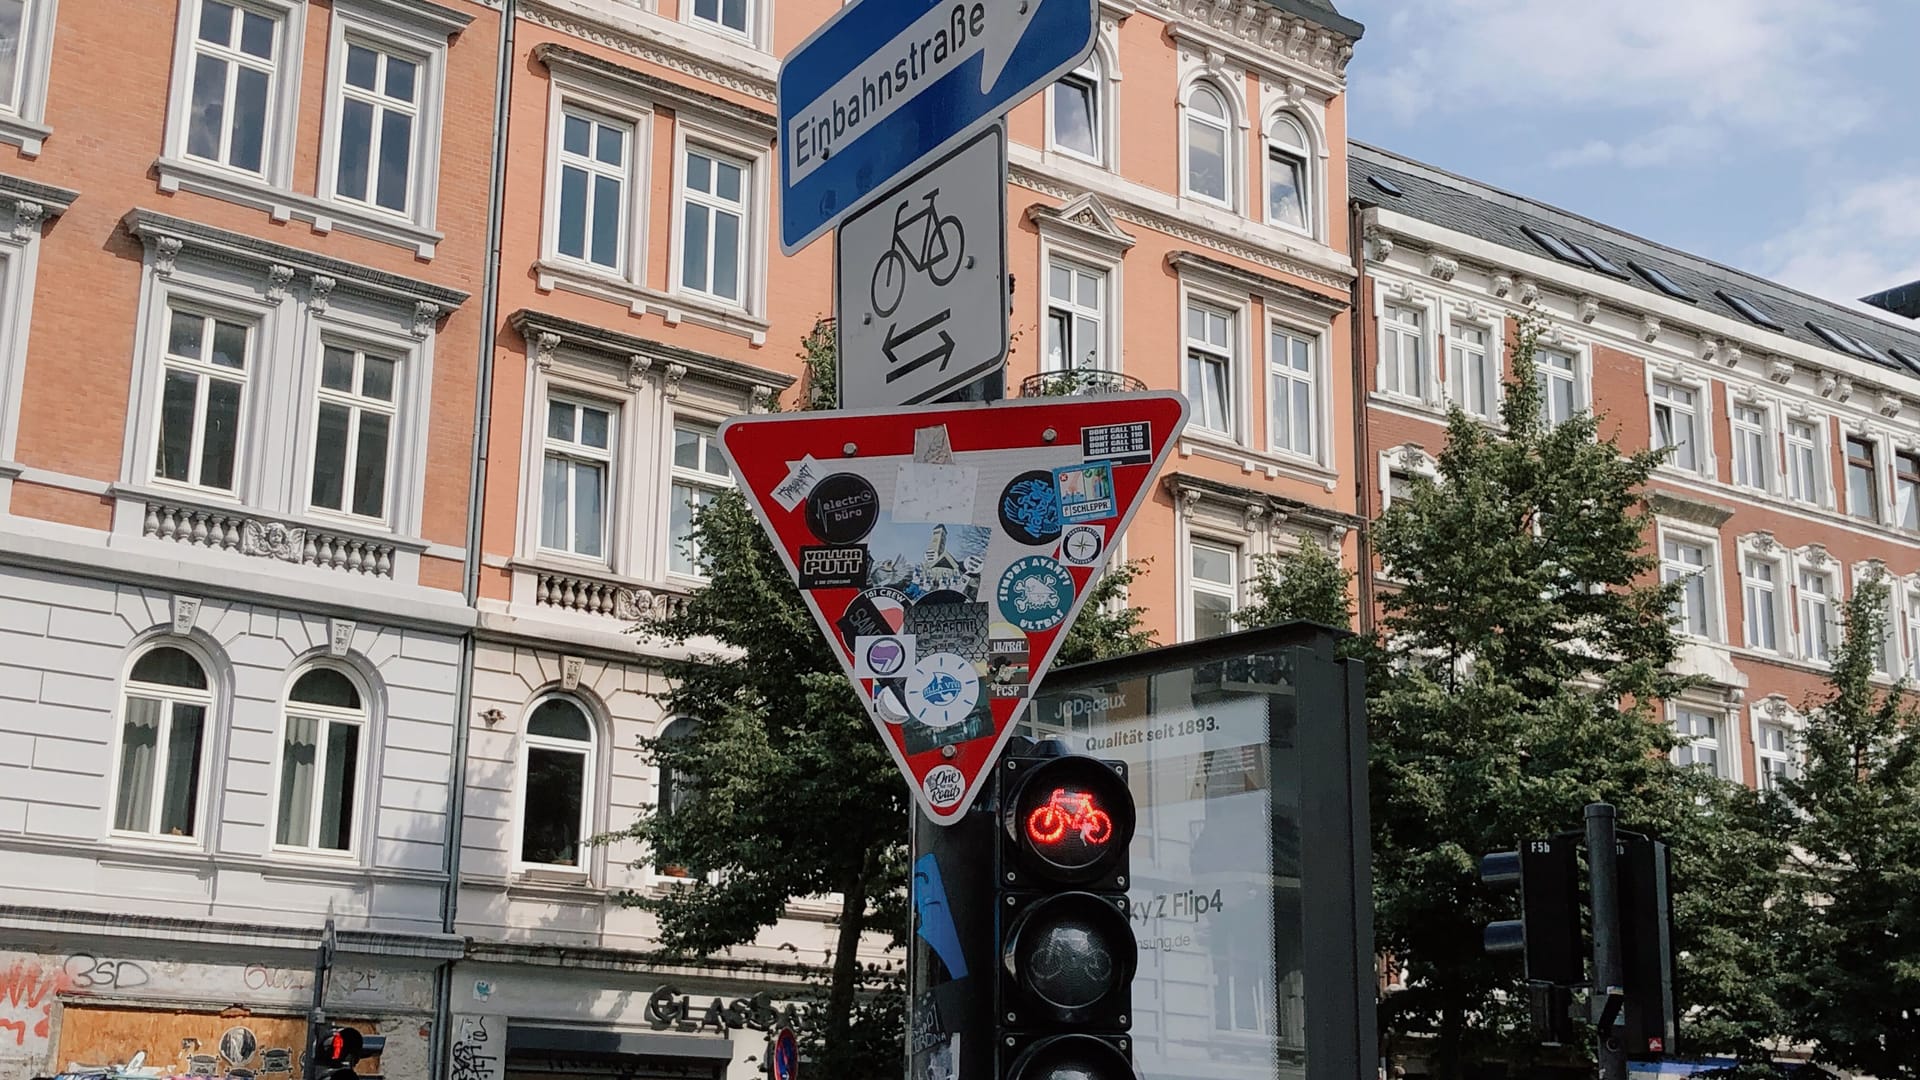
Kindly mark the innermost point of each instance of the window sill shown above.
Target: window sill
(29, 136)
(673, 308)
(1207, 444)
(283, 205)
(555, 884)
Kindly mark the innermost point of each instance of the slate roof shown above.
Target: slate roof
(1324, 13)
(1487, 213)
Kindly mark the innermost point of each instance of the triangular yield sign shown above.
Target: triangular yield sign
(944, 551)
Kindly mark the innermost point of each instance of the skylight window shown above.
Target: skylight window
(1659, 280)
(1869, 351)
(1555, 246)
(1838, 340)
(1751, 313)
(1908, 362)
(1386, 185)
(1596, 260)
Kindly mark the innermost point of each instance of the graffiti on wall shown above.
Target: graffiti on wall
(29, 985)
(344, 981)
(477, 1050)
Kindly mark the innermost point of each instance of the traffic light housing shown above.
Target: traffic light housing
(1548, 932)
(1646, 948)
(1064, 945)
(335, 1052)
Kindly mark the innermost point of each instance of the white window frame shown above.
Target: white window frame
(397, 430)
(1724, 746)
(1491, 352)
(1096, 251)
(374, 26)
(1230, 137)
(1887, 658)
(589, 781)
(1580, 376)
(282, 119)
(568, 95)
(1395, 361)
(1766, 757)
(1908, 592)
(1315, 381)
(24, 122)
(745, 266)
(1894, 458)
(630, 256)
(1406, 460)
(1235, 407)
(608, 459)
(1712, 618)
(19, 266)
(1306, 157)
(706, 427)
(212, 700)
(756, 34)
(1092, 76)
(1699, 409)
(1740, 433)
(1819, 480)
(1191, 586)
(249, 376)
(1776, 595)
(1803, 610)
(753, 232)
(1074, 311)
(328, 716)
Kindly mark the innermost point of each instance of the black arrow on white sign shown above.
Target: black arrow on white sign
(899, 367)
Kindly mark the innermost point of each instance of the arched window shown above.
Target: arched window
(1209, 146)
(556, 770)
(1076, 116)
(162, 732)
(674, 789)
(1289, 195)
(326, 719)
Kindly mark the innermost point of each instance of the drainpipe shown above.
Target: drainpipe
(476, 506)
(1362, 431)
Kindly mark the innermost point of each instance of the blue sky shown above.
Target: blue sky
(1777, 136)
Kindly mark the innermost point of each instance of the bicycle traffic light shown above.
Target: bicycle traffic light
(335, 1051)
(1065, 948)
(1548, 932)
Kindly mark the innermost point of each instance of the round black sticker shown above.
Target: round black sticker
(842, 508)
(1030, 508)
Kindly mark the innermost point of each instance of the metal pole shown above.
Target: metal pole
(1609, 978)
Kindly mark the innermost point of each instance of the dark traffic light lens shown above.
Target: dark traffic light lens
(1072, 1057)
(1073, 818)
(1071, 954)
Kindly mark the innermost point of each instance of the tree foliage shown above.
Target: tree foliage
(1110, 624)
(1305, 583)
(1852, 900)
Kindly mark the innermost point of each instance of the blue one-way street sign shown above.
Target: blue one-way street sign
(886, 84)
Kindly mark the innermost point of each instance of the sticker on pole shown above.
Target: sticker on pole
(945, 551)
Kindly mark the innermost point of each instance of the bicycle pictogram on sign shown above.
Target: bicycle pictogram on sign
(937, 250)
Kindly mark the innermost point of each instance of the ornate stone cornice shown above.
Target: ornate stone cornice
(651, 49)
(1272, 37)
(632, 358)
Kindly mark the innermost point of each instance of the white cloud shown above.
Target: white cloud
(1689, 73)
(1853, 241)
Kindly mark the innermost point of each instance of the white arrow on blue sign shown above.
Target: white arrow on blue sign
(886, 84)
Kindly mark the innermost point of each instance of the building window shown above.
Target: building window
(16, 22)
(674, 787)
(353, 432)
(1817, 627)
(573, 479)
(699, 474)
(1804, 450)
(1676, 425)
(1689, 563)
(1913, 633)
(725, 14)
(1470, 370)
(1213, 587)
(1559, 377)
(1076, 119)
(1760, 589)
(1209, 146)
(162, 730)
(234, 62)
(1294, 395)
(203, 394)
(379, 124)
(1700, 745)
(591, 203)
(1210, 367)
(320, 762)
(556, 769)
(1751, 462)
(1403, 352)
(1906, 489)
(1289, 196)
(1863, 479)
(1076, 317)
(713, 235)
(1775, 750)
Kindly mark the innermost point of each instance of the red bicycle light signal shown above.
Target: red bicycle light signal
(1069, 811)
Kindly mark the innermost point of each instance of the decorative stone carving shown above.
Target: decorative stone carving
(320, 292)
(1589, 309)
(165, 250)
(425, 314)
(1189, 500)
(279, 276)
(1888, 404)
(1529, 293)
(272, 540)
(759, 398)
(492, 717)
(1382, 246)
(1250, 516)
(1762, 542)
(570, 668)
(637, 366)
(1442, 267)
(1502, 285)
(1731, 355)
(1815, 555)
(1780, 371)
(186, 611)
(674, 373)
(27, 216)
(545, 344)
(1649, 328)
(339, 637)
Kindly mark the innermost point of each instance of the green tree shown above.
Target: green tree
(1305, 583)
(1109, 624)
(1853, 900)
(1521, 654)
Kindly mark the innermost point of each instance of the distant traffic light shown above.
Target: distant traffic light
(335, 1052)
(1646, 947)
(1548, 932)
(1065, 947)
